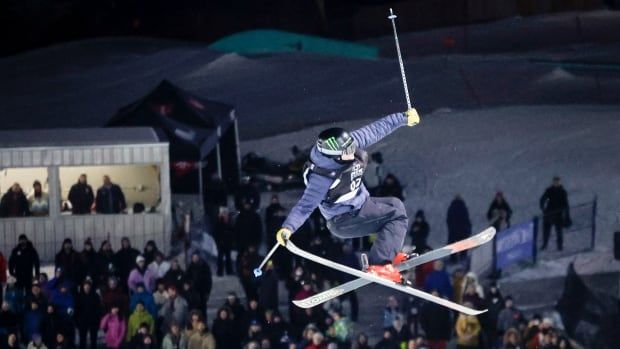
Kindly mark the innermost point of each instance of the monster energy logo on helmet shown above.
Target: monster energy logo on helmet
(335, 142)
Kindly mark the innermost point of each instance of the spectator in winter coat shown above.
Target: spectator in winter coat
(174, 310)
(274, 217)
(361, 342)
(439, 280)
(419, 231)
(246, 262)
(137, 318)
(140, 274)
(247, 193)
(69, 261)
(89, 262)
(160, 296)
(32, 320)
(175, 338)
(202, 339)
(113, 295)
(472, 297)
(237, 310)
(53, 324)
(512, 339)
(459, 225)
(268, 288)
(224, 237)
(38, 201)
(494, 304)
(110, 198)
(115, 327)
(62, 299)
(224, 330)
(105, 263)
(36, 295)
(88, 313)
(24, 263)
(9, 321)
(150, 251)
(159, 267)
(391, 312)
(124, 260)
(144, 297)
(199, 273)
(14, 203)
(174, 276)
(81, 196)
(436, 321)
(137, 340)
(554, 204)
(14, 296)
(36, 342)
(388, 341)
(508, 317)
(192, 297)
(467, 330)
(248, 228)
(499, 212)
(391, 187)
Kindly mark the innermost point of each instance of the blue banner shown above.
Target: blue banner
(515, 244)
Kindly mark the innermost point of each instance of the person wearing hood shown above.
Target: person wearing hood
(224, 331)
(115, 327)
(105, 262)
(138, 317)
(81, 196)
(144, 297)
(459, 225)
(14, 203)
(113, 295)
(141, 274)
(419, 231)
(89, 261)
(124, 260)
(24, 263)
(88, 313)
(69, 260)
(150, 251)
(199, 273)
(467, 330)
(499, 212)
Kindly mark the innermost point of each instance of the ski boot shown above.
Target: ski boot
(386, 271)
(402, 257)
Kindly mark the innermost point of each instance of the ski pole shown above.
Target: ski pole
(393, 17)
(258, 271)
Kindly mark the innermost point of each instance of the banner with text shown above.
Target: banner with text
(515, 244)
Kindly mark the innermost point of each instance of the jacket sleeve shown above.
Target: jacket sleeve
(374, 132)
(543, 199)
(315, 192)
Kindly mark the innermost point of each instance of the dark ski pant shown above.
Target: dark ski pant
(384, 216)
(549, 222)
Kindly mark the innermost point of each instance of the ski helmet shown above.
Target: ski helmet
(335, 142)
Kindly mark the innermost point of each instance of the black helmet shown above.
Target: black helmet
(335, 142)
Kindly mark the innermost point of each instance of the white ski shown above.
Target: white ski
(385, 282)
(466, 244)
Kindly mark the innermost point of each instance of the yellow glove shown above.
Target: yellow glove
(412, 117)
(282, 235)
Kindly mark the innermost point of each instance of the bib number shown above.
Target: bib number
(355, 183)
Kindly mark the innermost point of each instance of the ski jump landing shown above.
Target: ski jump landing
(333, 178)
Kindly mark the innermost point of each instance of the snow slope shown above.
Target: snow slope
(515, 149)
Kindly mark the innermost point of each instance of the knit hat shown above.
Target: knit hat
(139, 259)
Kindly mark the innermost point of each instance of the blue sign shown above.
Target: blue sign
(515, 244)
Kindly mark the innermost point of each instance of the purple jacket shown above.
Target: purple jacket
(318, 186)
(115, 329)
(135, 277)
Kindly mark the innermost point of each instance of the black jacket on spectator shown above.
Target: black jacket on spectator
(110, 200)
(81, 197)
(554, 204)
(391, 187)
(274, 217)
(268, 290)
(70, 263)
(124, 261)
(14, 204)
(419, 231)
(225, 333)
(150, 251)
(200, 276)
(193, 299)
(248, 229)
(89, 261)
(436, 321)
(52, 324)
(247, 193)
(459, 225)
(497, 207)
(88, 309)
(24, 264)
(9, 321)
(174, 277)
(216, 194)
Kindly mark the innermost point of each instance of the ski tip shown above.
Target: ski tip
(475, 312)
(303, 304)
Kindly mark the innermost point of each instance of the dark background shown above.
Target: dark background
(27, 24)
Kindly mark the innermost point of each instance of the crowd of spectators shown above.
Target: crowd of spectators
(144, 299)
(81, 199)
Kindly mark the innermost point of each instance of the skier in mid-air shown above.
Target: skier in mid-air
(333, 178)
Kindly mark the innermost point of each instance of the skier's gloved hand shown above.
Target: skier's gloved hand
(282, 235)
(412, 117)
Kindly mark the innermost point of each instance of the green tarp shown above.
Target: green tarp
(265, 41)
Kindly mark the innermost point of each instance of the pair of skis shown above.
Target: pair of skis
(367, 278)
